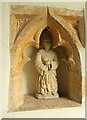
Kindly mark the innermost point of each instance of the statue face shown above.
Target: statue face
(47, 44)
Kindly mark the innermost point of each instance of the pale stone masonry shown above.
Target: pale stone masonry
(27, 24)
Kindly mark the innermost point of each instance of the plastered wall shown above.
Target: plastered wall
(6, 64)
(0, 57)
(5, 54)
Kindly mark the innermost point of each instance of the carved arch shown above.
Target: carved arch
(30, 36)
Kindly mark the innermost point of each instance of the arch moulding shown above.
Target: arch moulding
(29, 35)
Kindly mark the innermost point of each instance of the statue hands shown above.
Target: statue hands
(47, 68)
(49, 65)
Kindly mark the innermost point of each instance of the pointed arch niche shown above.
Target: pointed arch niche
(65, 43)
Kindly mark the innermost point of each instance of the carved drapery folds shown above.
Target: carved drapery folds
(26, 30)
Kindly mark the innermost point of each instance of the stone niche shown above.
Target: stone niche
(28, 25)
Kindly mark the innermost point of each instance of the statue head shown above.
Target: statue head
(47, 43)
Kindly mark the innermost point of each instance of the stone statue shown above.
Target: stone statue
(46, 63)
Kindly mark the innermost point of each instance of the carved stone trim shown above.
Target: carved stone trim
(29, 35)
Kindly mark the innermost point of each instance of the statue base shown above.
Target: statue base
(47, 96)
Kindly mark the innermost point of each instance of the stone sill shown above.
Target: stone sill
(31, 103)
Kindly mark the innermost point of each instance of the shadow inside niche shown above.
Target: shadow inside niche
(30, 74)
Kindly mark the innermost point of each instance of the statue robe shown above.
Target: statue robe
(47, 81)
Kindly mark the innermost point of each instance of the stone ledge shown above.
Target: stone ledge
(31, 103)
